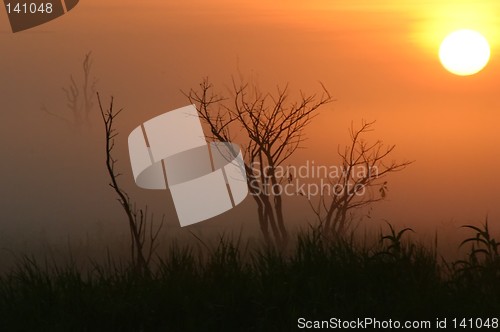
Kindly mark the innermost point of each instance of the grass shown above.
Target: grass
(232, 288)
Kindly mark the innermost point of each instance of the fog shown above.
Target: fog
(54, 186)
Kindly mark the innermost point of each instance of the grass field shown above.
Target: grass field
(231, 288)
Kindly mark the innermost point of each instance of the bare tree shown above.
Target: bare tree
(79, 96)
(361, 181)
(274, 129)
(143, 233)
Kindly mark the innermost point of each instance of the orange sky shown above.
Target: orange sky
(378, 59)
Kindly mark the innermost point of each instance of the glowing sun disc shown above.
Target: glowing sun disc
(464, 52)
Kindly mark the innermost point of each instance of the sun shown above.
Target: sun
(464, 52)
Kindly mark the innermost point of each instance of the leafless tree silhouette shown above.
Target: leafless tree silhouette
(143, 232)
(274, 129)
(79, 97)
(361, 182)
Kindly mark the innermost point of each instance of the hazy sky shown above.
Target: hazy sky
(378, 59)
